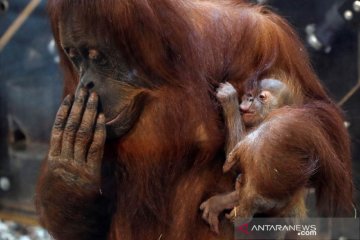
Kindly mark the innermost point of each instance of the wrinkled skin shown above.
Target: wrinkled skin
(67, 148)
(101, 69)
(107, 102)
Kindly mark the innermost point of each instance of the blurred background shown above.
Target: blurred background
(31, 87)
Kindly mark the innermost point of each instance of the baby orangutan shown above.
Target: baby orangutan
(274, 172)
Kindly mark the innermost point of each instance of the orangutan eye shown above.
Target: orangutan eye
(72, 52)
(74, 55)
(97, 57)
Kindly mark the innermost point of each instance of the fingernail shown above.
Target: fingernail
(101, 117)
(68, 99)
(93, 96)
(81, 91)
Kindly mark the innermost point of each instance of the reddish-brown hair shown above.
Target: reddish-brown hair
(171, 160)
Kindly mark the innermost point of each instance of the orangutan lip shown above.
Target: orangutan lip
(113, 120)
(247, 113)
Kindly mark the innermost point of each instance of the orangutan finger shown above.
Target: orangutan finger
(73, 124)
(96, 149)
(59, 125)
(85, 133)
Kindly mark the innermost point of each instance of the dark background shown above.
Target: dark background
(30, 90)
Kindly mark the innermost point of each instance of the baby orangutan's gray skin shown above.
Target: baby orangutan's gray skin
(255, 107)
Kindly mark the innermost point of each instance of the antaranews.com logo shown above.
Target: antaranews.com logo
(310, 228)
(302, 230)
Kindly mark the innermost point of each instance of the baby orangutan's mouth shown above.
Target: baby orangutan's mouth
(248, 113)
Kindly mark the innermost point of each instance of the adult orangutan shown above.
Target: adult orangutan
(278, 157)
(147, 71)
